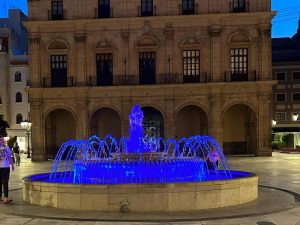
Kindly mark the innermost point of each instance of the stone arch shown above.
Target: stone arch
(147, 41)
(58, 44)
(190, 120)
(153, 122)
(104, 121)
(60, 126)
(239, 121)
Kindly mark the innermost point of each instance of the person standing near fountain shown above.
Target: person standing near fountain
(212, 159)
(16, 151)
(5, 163)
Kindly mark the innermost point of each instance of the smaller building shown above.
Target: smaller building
(286, 70)
(14, 74)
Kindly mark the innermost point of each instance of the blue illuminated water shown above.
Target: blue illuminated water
(138, 159)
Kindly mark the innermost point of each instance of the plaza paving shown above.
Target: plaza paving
(274, 206)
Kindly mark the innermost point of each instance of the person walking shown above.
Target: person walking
(5, 163)
(16, 151)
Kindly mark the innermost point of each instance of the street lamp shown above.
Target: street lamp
(274, 122)
(26, 124)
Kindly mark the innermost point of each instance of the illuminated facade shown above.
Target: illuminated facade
(196, 67)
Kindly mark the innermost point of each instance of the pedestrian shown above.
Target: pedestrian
(212, 159)
(16, 151)
(5, 163)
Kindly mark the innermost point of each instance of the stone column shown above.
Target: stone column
(126, 108)
(83, 121)
(215, 56)
(169, 53)
(169, 126)
(81, 68)
(34, 61)
(125, 53)
(37, 132)
(265, 52)
(215, 128)
(264, 128)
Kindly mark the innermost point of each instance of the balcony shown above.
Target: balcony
(189, 11)
(235, 76)
(239, 8)
(64, 82)
(102, 13)
(57, 16)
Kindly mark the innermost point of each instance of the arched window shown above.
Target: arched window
(19, 118)
(18, 97)
(18, 76)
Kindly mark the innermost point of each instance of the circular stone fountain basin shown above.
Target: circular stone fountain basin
(158, 197)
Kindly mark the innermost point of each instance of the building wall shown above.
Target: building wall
(214, 32)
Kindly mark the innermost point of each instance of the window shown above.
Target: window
(280, 97)
(1, 117)
(191, 66)
(296, 75)
(238, 6)
(18, 76)
(239, 64)
(19, 118)
(146, 7)
(18, 97)
(104, 9)
(59, 71)
(104, 70)
(0, 100)
(296, 96)
(57, 10)
(280, 116)
(188, 7)
(280, 76)
(147, 67)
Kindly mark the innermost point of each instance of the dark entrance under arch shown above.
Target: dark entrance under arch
(153, 122)
(190, 121)
(105, 121)
(239, 130)
(60, 126)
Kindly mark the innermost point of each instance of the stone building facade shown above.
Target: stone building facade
(196, 67)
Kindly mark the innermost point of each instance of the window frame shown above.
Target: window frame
(283, 113)
(18, 76)
(293, 74)
(148, 6)
(57, 9)
(18, 98)
(293, 96)
(190, 7)
(281, 73)
(280, 94)
(239, 63)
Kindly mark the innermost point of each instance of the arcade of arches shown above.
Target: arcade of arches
(238, 121)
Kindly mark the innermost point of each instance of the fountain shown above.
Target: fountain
(126, 174)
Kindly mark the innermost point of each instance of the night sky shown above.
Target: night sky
(284, 24)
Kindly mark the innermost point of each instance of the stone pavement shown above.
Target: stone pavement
(274, 206)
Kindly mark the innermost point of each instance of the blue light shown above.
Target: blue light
(138, 159)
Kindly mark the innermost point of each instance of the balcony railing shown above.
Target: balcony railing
(235, 76)
(163, 78)
(191, 11)
(60, 16)
(68, 82)
(146, 13)
(97, 16)
(238, 9)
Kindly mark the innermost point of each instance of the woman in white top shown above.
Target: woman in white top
(5, 162)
